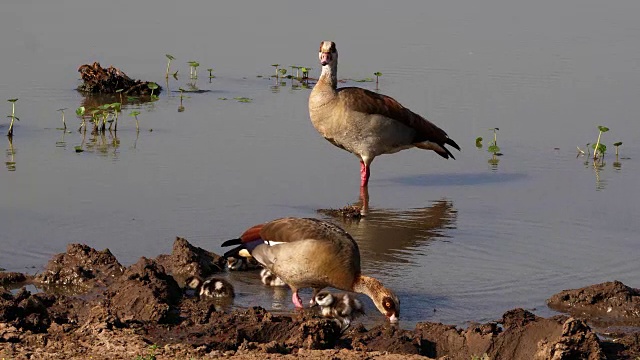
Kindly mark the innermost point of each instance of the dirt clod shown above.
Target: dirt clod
(188, 260)
(97, 79)
(81, 266)
(609, 303)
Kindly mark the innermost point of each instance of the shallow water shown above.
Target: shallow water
(465, 238)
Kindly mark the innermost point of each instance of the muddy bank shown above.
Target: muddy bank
(108, 311)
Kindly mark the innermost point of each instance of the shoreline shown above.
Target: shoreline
(142, 311)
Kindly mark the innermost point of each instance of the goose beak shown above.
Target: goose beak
(325, 58)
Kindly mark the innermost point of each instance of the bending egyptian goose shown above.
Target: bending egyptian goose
(310, 253)
(366, 123)
(343, 307)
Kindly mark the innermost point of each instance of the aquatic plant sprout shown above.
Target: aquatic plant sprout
(135, 114)
(169, 57)
(599, 147)
(12, 116)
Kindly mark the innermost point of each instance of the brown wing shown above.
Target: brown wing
(365, 101)
(292, 229)
(252, 233)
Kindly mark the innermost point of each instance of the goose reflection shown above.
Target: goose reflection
(393, 235)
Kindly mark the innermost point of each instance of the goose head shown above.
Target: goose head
(384, 299)
(388, 304)
(328, 54)
(324, 298)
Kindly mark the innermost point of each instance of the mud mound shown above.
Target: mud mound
(144, 293)
(81, 266)
(143, 305)
(383, 338)
(609, 303)
(188, 260)
(524, 336)
(250, 329)
(625, 346)
(34, 313)
(97, 79)
(10, 278)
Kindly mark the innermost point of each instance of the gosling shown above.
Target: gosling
(212, 287)
(270, 279)
(342, 307)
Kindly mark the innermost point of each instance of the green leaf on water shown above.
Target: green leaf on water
(243, 99)
(222, 98)
(12, 100)
(364, 80)
(152, 85)
(377, 73)
(603, 128)
(618, 143)
(78, 148)
(479, 142)
(602, 148)
(493, 148)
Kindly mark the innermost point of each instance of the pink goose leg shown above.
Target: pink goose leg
(296, 299)
(364, 174)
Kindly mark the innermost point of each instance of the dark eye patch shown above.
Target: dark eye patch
(388, 304)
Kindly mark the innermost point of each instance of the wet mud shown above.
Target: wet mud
(90, 306)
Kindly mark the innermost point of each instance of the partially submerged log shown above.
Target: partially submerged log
(97, 79)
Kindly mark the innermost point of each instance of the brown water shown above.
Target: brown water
(467, 238)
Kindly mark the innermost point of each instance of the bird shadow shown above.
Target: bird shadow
(457, 179)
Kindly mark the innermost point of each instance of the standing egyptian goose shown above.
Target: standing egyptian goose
(310, 253)
(366, 123)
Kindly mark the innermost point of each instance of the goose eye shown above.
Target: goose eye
(388, 304)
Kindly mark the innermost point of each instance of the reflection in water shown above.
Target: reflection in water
(281, 297)
(493, 162)
(597, 165)
(62, 143)
(11, 164)
(102, 143)
(390, 235)
(296, 82)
